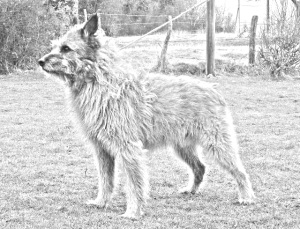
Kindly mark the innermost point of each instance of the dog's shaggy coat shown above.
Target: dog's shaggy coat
(122, 114)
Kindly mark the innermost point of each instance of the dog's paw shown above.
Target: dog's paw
(187, 190)
(132, 215)
(97, 203)
(247, 197)
(247, 201)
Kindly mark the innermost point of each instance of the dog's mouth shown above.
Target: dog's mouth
(54, 66)
(68, 78)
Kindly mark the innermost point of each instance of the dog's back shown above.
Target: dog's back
(182, 106)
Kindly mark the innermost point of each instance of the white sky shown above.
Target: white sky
(248, 8)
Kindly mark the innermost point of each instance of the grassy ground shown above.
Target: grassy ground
(47, 173)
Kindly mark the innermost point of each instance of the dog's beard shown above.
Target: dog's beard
(59, 75)
(59, 72)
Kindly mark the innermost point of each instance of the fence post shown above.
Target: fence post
(268, 16)
(99, 20)
(252, 40)
(101, 31)
(210, 38)
(85, 15)
(162, 62)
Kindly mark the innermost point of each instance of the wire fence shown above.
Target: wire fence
(25, 35)
(138, 24)
(134, 15)
(232, 47)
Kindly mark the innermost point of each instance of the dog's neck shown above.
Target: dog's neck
(106, 72)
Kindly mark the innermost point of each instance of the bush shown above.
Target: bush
(280, 48)
(224, 21)
(281, 54)
(26, 30)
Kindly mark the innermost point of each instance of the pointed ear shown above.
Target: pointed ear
(91, 26)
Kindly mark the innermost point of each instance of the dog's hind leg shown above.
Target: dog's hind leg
(105, 164)
(189, 155)
(231, 162)
(221, 145)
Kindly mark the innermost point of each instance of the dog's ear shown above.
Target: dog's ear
(90, 27)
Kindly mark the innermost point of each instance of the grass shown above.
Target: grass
(47, 173)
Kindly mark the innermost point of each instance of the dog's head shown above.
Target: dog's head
(74, 56)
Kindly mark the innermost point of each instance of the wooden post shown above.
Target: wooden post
(252, 40)
(239, 16)
(85, 15)
(101, 31)
(99, 20)
(238, 19)
(210, 38)
(162, 62)
(268, 16)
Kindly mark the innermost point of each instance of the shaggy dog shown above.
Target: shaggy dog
(122, 115)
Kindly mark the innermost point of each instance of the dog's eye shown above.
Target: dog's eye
(65, 49)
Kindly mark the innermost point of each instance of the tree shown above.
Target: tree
(69, 6)
(164, 3)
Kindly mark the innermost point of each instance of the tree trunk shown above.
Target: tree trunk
(297, 6)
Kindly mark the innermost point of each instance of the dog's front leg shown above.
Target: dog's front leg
(134, 166)
(105, 164)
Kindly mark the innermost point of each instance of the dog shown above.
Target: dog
(123, 114)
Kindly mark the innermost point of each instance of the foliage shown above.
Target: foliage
(280, 49)
(281, 54)
(26, 30)
(28, 26)
(224, 21)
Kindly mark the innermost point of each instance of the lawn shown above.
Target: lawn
(47, 173)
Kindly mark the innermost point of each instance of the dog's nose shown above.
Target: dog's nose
(41, 62)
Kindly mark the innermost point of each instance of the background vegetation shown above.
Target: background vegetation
(47, 173)
(28, 26)
(279, 49)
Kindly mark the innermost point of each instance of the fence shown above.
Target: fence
(26, 28)
(26, 32)
(124, 24)
(162, 61)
